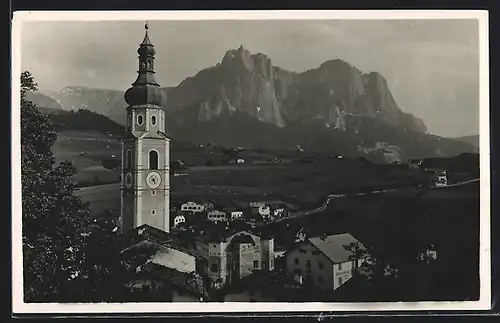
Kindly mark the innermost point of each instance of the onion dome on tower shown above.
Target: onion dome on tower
(145, 90)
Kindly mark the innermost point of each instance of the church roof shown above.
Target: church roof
(145, 89)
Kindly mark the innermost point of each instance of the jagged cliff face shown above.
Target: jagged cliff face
(251, 84)
(336, 91)
(240, 82)
(246, 101)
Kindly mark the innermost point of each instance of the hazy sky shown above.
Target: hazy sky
(432, 66)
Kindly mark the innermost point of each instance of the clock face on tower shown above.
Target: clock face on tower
(128, 180)
(153, 180)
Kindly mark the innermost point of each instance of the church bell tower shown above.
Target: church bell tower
(145, 189)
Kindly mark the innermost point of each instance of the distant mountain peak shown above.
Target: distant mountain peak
(245, 100)
(241, 58)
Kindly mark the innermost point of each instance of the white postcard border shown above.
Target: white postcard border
(19, 307)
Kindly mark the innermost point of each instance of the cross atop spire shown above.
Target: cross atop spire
(146, 40)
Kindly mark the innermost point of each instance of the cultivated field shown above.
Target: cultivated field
(303, 185)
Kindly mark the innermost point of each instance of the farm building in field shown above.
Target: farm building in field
(324, 262)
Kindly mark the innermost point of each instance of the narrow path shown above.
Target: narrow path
(336, 196)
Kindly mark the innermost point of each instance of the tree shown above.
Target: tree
(59, 236)
(399, 267)
(49, 250)
(358, 253)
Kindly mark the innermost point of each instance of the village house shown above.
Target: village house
(167, 268)
(233, 255)
(415, 163)
(438, 177)
(160, 247)
(233, 213)
(236, 215)
(178, 219)
(192, 207)
(323, 261)
(260, 208)
(279, 213)
(216, 216)
(236, 161)
(157, 283)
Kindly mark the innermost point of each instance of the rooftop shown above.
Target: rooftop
(334, 246)
(189, 282)
(156, 236)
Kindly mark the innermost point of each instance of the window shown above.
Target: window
(255, 264)
(153, 120)
(340, 280)
(302, 251)
(340, 266)
(315, 252)
(153, 159)
(129, 159)
(214, 268)
(296, 261)
(320, 265)
(153, 212)
(140, 119)
(308, 264)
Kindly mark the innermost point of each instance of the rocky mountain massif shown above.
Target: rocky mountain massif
(246, 101)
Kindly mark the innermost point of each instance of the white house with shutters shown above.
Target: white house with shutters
(192, 207)
(323, 261)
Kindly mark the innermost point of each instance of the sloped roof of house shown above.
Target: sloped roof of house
(189, 282)
(156, 236)
(333, 246)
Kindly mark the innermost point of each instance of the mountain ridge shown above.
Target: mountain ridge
(251, 102)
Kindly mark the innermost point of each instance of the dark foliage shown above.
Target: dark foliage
(83, 120)
(67, 256)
